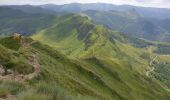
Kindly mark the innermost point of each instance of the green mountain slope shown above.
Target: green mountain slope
(78, 59)
(115, 63)
(81, 79)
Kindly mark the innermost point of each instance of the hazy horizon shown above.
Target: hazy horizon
(143, 3)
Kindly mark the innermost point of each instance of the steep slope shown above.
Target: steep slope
(118, 65)
(94, 63)
(64, 78)
(78, 36)
(74, 34)
(60, 77)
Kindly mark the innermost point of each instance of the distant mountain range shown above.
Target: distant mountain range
(148, 23)
(132, 23)
(30, 9)
(13, 20)
(82, 54)
(148, 12)
(79, 58)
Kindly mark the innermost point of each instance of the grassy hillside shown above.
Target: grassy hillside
(108, 57)
(64, 78)
(78, 59)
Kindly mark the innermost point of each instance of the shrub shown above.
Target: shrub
(3, 91)
(12, 87)
(10, 43)
(19, 66)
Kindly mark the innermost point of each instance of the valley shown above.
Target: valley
(82, 55)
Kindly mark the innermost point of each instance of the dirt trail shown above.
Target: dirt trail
(21, 77)
(32, 43)
(150, 65)
(18, 78)
(25, 45)
(9, 97)
(149, 71)
(154, 59)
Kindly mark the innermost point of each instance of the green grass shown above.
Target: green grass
(99, 66)
(99, 78)
(14, 60)
(10, 87)
(105, 65)
(31, 96)
(3, 91)
(10, 43)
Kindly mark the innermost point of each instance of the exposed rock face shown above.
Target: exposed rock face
(2, 71)
(15, 77)
(9, 71)
(17, 35)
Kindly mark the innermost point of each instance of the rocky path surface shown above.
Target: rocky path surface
(10, 75)
(20, 77)
(9, 97)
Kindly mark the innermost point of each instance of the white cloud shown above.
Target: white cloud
(147, 3)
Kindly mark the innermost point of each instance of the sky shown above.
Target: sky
(146, 3)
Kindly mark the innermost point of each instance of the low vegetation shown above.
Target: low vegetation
(99, 66)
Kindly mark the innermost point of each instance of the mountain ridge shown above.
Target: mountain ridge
(78, 59)
(114, 78)
(129, 21)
